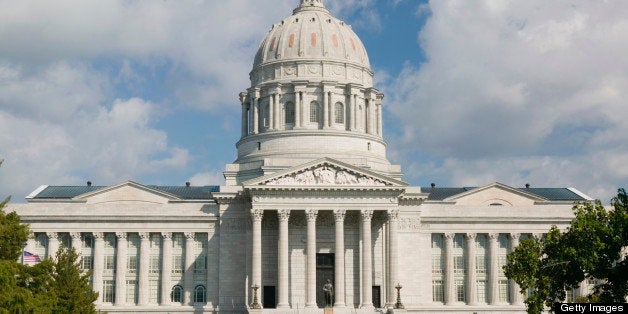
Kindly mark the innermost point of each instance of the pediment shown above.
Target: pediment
(127, 192)
(495, 194)
(326, 172)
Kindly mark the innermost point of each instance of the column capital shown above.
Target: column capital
(311, 214)
(470, 236)
(257, 214)
(166, 235)
(144, 236)
(121, 235)
(393, 214)
(538, 236)
(189, 235)
(493, 236)
(75, 235)
(283, 215)
(367, 215)
(98, 235)
(53, 235)
(339, 214)
(515, 236)
(449, 236)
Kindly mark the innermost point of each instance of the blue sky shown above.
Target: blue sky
(476, 91)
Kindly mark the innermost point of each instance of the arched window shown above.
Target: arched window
(339, 112)
(289, 113)
(314, 112)
(199, 294)
(177, 294)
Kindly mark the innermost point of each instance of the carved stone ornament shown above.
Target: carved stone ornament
(367, 215)
(449, 236)
(393, 215)
(515, 236)
(144, 235)
(326, 175)
(283, 215)
(166, 235)
(75, 235)
(311, 214)
(98, 235)
(189, 235)
(121, 235)
(340, 215)
(257, 214)
(290, 71)
(409, 224)
(470, 236)
(53, 235)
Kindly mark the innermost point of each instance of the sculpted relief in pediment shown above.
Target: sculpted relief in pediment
(326, 175)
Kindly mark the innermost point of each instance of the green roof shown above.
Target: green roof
(183, 192)
(552, 194)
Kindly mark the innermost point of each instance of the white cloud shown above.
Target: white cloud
(214, 177)
(53, 130)
(518, 91)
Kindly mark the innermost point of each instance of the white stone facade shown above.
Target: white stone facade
(310, 197)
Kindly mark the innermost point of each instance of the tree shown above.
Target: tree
(50, 286)
(73, 292)
(592, 247)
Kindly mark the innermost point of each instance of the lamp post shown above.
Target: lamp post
(255, 305)
(399, 305)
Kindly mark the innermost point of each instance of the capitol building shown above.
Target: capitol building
(311, 198)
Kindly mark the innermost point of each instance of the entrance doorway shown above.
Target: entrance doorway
(269, 301)
(377, 297)
(324, 272)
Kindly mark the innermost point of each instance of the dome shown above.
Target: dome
(311, 33)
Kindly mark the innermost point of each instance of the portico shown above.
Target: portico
(292, 202)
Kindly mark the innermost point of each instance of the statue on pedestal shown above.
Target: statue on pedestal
(328, 289)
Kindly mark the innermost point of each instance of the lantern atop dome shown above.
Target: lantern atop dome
(311, 5)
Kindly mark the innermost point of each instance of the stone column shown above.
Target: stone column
(283, 263)
(298, 103)
(279, 117)
(256, 112)
(166, 267)
(515, 298)
(393, 261)
(53, 244)
(354, 121)
(379, 118)
(271, 112)
(99, 248)
(188, 275)
(311, 258)
(492, 274)
(472, 287)
(244, 115)
(76, 242)
(332, 110)
(450, 293)
(325, 109)
(367, 109)
(121, 256)
(256, 218)
(367, 260)
(144, 264)
(339, 261)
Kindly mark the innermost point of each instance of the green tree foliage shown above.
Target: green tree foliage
(73, 292)
(590, 248)
(50, 286)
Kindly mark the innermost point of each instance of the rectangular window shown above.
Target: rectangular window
(131, 291)
(503, 290)
(459, 264)
(153, 292)
(480, 265)
(437, 264)
(482, 291)
(108, 291)
(110, 241)
(155, 241)
(155, 264)
(199, 265)
(110, 264)
(86, 262)
(438, 294)
(177, 240)
(131, 266)
(177, 264)
(459, 290)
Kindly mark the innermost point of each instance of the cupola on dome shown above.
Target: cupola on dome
(311, 33)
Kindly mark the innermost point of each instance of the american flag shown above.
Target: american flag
(30, 257)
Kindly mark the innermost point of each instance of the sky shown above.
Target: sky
(477, 91)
